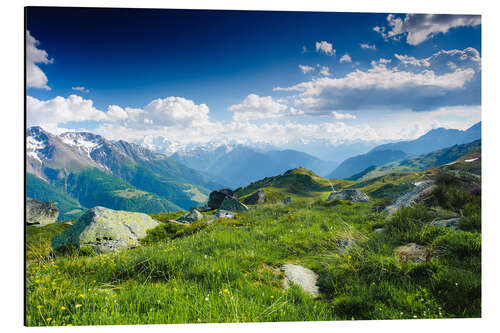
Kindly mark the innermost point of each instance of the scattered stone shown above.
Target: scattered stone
(379, 230)
(351, 195)
(414, 252)
(106, 230)
(257, 198)
(287, 200)
(301, 276)
(233, 205)
(216, 198)
(415, 195)
(221, 213)
(40, 213)
(449, 223)
(344, 243)
(193, 216)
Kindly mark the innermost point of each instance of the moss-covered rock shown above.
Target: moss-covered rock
(40, 213)
(105, 230)
(232, 205)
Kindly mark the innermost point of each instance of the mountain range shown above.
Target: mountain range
(86, 169)
(431, 141)
(240, 165)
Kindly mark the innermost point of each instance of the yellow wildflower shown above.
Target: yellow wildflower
(49, 319)
(69, 325)
(78, 306)
(226, 291)
(38, 307)
(63, 308)
(272, 297)
(81, 296)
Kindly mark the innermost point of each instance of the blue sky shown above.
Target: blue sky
(195, 76)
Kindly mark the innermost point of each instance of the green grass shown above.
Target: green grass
(228, 271)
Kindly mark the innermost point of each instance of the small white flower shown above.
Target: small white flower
(206, 298)
(415, 317)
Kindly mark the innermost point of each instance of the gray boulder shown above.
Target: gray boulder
(449, 223)
(413, 252)
(421, 190)
(106, 230)
(193, 216)
(351, 195)
(40, 213)
(301, 276)
(232, 205)
(287, 200)
(224, 214)
(257, 198)
(216, 198)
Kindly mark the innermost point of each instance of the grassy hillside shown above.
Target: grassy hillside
(69, 208)
(420, 163)
(229, 271)
(96, 188)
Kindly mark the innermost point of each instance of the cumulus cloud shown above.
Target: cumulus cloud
(345, 58)
(325, 47)
(81, 89)
(340, 116)
(429, 87)
(35, 77)
(419, 27)
(60, 110)
(257, 107)
(325, 71)
(306, 69)
(367, 46)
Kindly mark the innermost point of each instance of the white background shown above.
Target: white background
(12, 154)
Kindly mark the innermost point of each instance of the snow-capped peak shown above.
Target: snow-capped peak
(87, 142)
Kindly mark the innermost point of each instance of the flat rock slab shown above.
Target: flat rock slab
(410, 198)
(301, 276)
(411, 251)
(449, 223)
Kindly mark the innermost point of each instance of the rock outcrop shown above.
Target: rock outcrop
(232, 205)
(413, 252)
(420, 191)
(351, 195)
(287, 200)
(106, 230)
(216, 198)
(224, 214)
(301, 276)
(257, 198)
(40, 213)
(449, 223)
(193, 216)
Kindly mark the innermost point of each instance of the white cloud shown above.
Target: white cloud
(81, 89)
(325, 71)
(306, 69)
(367, 46)
(419, 27)
(421, 88)
(345, 58)
(257, 107)
(35, 77)
(340, 116)
(325, 47)
(60, 110)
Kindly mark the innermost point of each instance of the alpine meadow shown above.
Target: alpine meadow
(220, 166)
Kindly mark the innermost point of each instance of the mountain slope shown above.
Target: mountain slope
(57, 159)
(359, 163)
(423, 162)
(435, 139)
(240, 165)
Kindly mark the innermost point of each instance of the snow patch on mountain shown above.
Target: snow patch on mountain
(84, 141)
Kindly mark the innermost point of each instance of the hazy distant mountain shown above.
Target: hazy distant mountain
(431, 141)
(115, 174)
(422, 162)
(435, 139)
(239, 165)
(359, 163)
